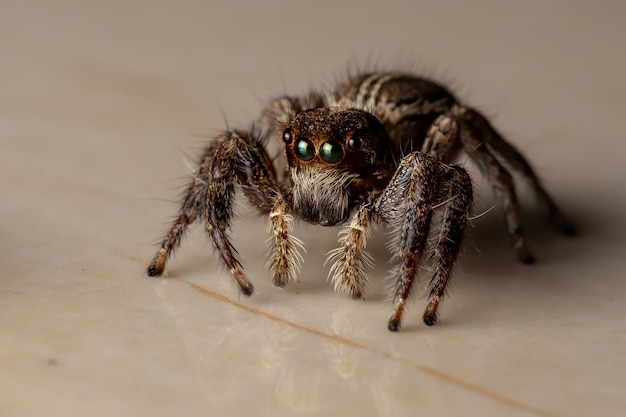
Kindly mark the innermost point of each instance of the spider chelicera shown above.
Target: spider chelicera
(378, 149)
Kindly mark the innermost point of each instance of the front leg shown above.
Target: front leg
(284, 257)
(455, 209)
(350, 260)
(220, 183)
(192, 208)
(234, 158)
(421, 185)
(257, 177)
(406, 205)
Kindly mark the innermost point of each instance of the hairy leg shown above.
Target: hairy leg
(221, 180)
(235, 158)
(350, 260)
(406, 205)
(243, 158)
(456, 206)
(276, 115)
(442, 139)
(284, 257)
(191, 208)
(502, 181)
(517, 161)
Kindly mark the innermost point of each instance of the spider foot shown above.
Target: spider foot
(429, 320)
(347, 277)
(393, 325)
(279, 282)
(526, 258)
(157, 266)
(357, 295)
(281, 279)
(396, 317)
(563, 225)
(524, 255)
(284, 267)
(154, 271)
(245, 286)
(248, 290)
(430, 314)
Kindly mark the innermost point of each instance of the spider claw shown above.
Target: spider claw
(279, 282)
(563, 225)
(524, 254)
(247, 290)
(393, 325)
(429, 319)
(246, 286)
(568, 230)
(357, 295)
(154, 271)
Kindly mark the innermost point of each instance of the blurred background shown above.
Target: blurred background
(103, 105)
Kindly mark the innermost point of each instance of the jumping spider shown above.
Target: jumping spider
(378, 149)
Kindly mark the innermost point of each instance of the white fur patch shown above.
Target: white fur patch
(321, 193)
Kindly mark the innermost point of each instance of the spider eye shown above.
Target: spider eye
(287, 137)
(304, 149)
(354, 143)
(331, 152)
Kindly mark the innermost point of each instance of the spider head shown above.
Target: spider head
(329, 151)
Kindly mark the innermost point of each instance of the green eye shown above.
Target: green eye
(305, 150)
(331, 152)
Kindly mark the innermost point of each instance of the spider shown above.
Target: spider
(377, 149)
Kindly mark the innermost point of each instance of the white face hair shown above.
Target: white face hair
(320, 194)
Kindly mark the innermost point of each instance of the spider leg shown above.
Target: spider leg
(231, 158)
(276, 115)
(209, 196)
(456, 199)
(512, 156)
(221, 178)
(243, 158)
(406, 204)
(350, 260)
(442, 139)
(284, 257)
(473, 138)
(457, 205)
(191, 208)
(280, 111)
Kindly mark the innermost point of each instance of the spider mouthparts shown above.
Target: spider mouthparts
(325, 219)
(325, 222)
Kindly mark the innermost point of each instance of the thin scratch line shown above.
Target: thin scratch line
(430, 371)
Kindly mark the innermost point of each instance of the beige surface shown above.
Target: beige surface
(99, 103)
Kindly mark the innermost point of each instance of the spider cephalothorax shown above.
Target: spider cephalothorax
(335, 156)
(378, 149)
